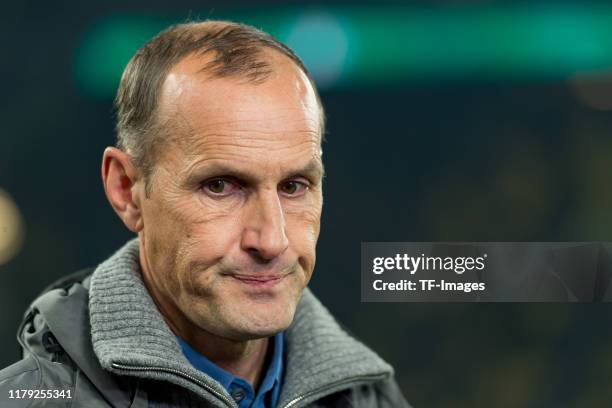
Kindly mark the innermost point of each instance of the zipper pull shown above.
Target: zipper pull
(51, 344)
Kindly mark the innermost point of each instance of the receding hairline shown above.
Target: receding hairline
(192, 66)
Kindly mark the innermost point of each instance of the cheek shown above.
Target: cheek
(189, 217)
(206, 235)
(303, 232)
(199, 250)
(210, 241)
(184, 236)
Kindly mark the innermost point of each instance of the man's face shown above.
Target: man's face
(232, 219)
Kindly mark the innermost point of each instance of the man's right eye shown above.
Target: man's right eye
(220, 187)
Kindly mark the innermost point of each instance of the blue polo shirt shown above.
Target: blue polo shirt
(240, 390)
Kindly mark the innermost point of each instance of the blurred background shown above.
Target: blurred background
(447, 120)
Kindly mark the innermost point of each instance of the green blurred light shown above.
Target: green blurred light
(345, 46)
(323, 41)
(107, 48)
(500, 42)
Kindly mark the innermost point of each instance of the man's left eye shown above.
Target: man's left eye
(220, 187)
(293, 188)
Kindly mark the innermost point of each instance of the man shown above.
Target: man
(218, 171)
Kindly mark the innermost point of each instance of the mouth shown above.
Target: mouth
(258, 281)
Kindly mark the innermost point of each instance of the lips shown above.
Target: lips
(258, 280)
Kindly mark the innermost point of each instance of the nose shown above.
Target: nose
(264, 235)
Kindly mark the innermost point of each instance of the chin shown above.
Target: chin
(246, 317)
(256, 324)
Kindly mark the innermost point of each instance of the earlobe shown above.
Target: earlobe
(119, 177)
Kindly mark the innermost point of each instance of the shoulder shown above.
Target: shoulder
(316, 342)
(380, 394)
(388, 394)
(23, 372)
(21, 378)
(44, 365)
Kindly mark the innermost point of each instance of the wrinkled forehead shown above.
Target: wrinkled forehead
(196, 104)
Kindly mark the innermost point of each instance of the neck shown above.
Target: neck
(242, 358)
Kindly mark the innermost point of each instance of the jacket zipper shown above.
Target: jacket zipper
(202, 384)
(357, 378)
(231, 403)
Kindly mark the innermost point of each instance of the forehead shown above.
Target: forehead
(283, 109)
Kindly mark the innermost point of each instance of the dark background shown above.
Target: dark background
(455, 120)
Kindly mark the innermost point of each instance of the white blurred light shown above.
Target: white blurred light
(322, 43)
(11, 228)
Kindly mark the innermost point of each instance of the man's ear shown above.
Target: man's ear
(119, 177)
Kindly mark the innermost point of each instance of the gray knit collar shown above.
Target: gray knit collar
(127, 329)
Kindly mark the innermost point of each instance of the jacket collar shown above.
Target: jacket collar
(127, 330)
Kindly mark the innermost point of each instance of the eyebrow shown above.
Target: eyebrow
(314, 168)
